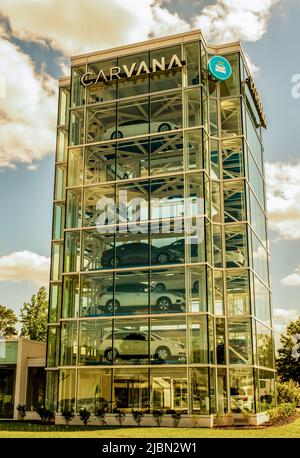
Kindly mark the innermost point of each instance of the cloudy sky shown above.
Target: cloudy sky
(36, 39)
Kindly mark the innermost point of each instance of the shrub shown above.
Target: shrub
(84, 416)
(176, 418)
(158, 416)
(100, 414)
(282, 411)
(137, 416)
(21, 408)
(288, 392)
(67, 415)
(120, 416)
(45, 414)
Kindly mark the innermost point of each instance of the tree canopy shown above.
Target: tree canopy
(8, 321)
(34, 316)
(288, 366)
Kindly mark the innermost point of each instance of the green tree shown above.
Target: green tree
(34, 316)
(8, 321)
(288, 366)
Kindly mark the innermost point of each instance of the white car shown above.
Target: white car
(242, 399)
(135, 344)
(137, 127)
(137, 295)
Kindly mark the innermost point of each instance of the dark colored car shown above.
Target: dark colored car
(138, 253)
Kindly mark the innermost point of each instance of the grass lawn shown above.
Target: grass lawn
(17, 429)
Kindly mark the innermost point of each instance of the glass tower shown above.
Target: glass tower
(160, 293)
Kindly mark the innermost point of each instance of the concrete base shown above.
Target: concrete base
(241, 420)
(187, 421)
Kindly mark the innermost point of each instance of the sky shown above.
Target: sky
(36, 39)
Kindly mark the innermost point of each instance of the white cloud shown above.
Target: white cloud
(281, 318)
(28, 110)
(25, 266)
(232, 20)
(292, 279)
(283, 199)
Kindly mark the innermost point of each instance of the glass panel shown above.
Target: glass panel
(262, 301)
(216, 202)
(104, 88)
(51, 395)
(256, 181)
(234, 201)
(74, 210)
(101, 123)
(76, 127)
(231, 86)
(220, 341)
(131, 250)
(258, 219)
(222, 391)
(167, 293)
(138, 66)
(266, 391)
(56, 260)
(70, 296)
(195, 200)
(64, 95)
(68, 349)
(236, 246)
(167, 248)
(54, 303)
(260, 259)
(195, 243)
(60, 182)
(168, 340)
(166, 112)
(218, 292)
(58, 221)
(7, 382)
(217, 245)
(233, 163)
(213, 117)
(132, 159)
(167, 198)
(231, 122)
(265, 346)
(198, 339)
(166, 154)
(75, 159)
(163, 80)
(199, 390)
(66, 394)
(241, 390)
(61, 145)
(239, 342)
(131, 342)
(197, 289)
(35, 391)
(193, 110)
(100, 164)
(133, 118)
(132, 204)
(77, 90)
(72, 252)
(95, 342)
(94, 390)
(131, 390)
(254, 143)
(238, 293)
(97, 293)
(214, 160)
(192, 58)
(168, 389)
(99, 205)
(195, 149)
(132, 293)
(53, 346)
(98, 251)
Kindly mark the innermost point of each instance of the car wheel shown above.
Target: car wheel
(160, 287)
(163, 258)
(164, 127)
(196, 285)
(125, 176)
(112, 305)
(111, 354)
(163, 353)
(116, 134)
(164, 303)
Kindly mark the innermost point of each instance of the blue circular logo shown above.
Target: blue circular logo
(219, 68)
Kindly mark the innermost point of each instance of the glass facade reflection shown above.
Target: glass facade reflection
(160, 293)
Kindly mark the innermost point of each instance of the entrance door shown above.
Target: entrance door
(7, 378)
